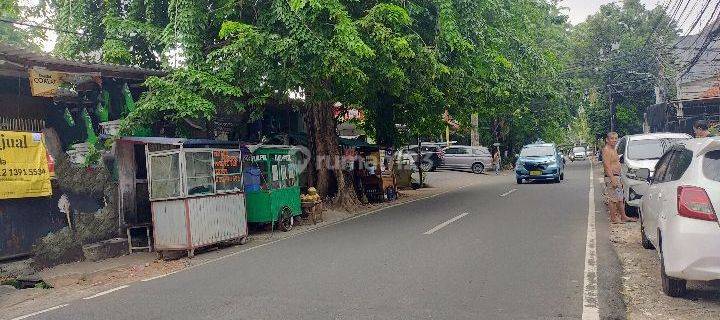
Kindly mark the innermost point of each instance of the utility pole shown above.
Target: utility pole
(474, 134)
(613, 119)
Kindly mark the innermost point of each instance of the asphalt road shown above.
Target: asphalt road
(517, 256)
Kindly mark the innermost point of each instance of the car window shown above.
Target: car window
(711, 165)
(539, 151)
(679, 163)
(661, 167)
(452, 151)
(481, 152)
(578, 149)
(464, 151)
(649, 149)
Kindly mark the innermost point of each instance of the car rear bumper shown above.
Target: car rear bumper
(549, 174)
(691, 250)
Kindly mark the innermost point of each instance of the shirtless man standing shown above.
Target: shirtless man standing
(613, 184)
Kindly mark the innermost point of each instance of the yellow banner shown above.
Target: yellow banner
(47, 83)
(44, 83)
(24, 168)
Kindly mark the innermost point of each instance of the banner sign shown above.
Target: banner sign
(46, 83)
(24, 168)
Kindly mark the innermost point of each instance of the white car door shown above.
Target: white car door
(652, 201)
(679, 163)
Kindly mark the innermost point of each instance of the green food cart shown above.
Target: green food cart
(272, 191)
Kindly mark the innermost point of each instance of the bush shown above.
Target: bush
(56, 248)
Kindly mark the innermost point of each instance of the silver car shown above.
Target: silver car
(476, 159)
(642, 151)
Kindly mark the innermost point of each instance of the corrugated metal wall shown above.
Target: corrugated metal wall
(212, 219)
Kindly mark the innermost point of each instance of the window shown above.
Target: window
(165, 176)
(454, 151)
(661, 167)
(679, 163)
(228, 170)
(539, 151)
(481, 152)
(711, 165)
(649, 149)
(199, 168)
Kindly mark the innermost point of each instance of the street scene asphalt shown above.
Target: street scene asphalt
(494, 250)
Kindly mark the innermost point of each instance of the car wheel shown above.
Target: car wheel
(478, 168)
(643, 237)
(671, 286)
(426, 166)
(519, 181)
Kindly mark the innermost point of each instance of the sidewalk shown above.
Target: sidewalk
(80, 279)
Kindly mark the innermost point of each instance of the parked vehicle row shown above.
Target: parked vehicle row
(678, 214)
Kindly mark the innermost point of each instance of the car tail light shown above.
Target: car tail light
(694, 203)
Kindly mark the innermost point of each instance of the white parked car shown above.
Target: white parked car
(678, 214)
(642, 151)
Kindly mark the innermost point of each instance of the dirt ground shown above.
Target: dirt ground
(642, 289)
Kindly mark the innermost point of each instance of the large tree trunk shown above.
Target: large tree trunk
(325, 162)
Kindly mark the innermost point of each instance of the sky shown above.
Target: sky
(579, 10)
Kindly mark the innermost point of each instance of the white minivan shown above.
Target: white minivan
(642, 151)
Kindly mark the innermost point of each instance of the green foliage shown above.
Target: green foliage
(14, 35)
(623, 52)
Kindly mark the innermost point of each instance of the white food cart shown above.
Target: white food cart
(196, 197)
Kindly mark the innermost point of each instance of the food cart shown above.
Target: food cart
(196, 197)
(375, 173)
(272, 186)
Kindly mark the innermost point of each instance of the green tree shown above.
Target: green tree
(26, 37)
(623, 52)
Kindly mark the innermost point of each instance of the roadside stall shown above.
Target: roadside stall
(375, 173)
(272, 188)
(196, 197)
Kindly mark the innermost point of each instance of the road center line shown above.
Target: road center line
(507, 193)
(446, 223)
(105, 292)
(39, 312)
(591, 310)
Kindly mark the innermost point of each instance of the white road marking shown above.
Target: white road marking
(446, 223)
(158, 277)
(507, 193)
(106, 292)
(39, 312)
(590, 309)
(322, 227)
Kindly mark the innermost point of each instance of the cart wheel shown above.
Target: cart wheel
(285, 221)
(243, 240)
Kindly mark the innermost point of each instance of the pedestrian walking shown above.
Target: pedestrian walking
(701, 128)
(497, 160)
(613, 184)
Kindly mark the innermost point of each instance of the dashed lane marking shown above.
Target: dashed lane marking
(39, 312)
(508, 193)
(446, 223)
(105, 292)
